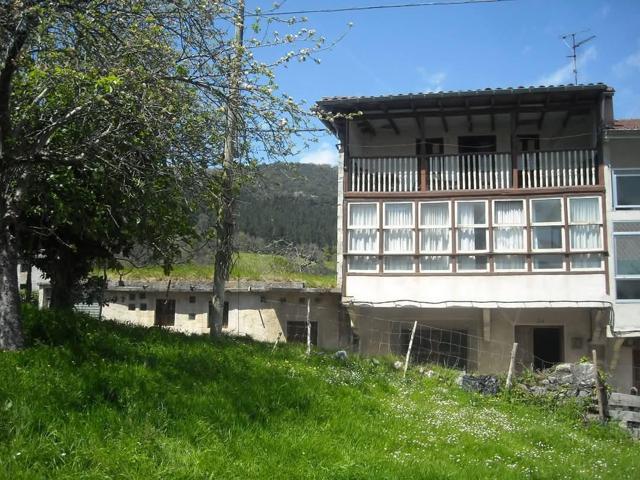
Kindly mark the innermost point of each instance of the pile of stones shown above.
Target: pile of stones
(565, 380)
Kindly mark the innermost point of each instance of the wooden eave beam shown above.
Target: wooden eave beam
(547, 101)
(493, 116)
(469, 120)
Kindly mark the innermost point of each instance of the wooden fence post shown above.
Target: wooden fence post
(602, 409)
(512, 365)
(275, 344)
(406, 360)
(308, 325)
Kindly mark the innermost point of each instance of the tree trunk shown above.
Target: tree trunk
(11, 337)
(63, 282)
(29, 286)
(226, 221)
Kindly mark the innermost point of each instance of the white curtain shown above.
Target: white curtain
(398, 264)
(434, 215)
(586, 261)
(509, 213)
(471, 213)
(398, 214)
(508, 238)
(584, 210)
(398, 240)
(509, 262)
(363, 240)
(363, 215)
(435, 240)
(585, 237)
(434, 263)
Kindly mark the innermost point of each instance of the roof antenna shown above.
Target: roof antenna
(574, 46)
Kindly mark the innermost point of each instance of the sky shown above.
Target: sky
(460, 47)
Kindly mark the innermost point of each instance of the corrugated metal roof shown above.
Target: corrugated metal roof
(484, 91)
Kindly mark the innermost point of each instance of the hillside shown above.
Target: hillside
(291, 201)
(93, 399)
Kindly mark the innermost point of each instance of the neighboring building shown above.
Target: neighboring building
(622, 164)
(36, 276)
(260, 310)
(481, 213)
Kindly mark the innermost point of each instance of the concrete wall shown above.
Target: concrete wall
(491, 332)
(259, 315)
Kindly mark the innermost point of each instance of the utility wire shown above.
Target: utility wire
(378, 7)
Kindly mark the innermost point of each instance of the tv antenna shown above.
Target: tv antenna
(574, 47)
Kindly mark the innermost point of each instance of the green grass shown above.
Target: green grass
(248, 266)
(97, 400)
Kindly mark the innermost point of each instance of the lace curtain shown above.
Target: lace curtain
(362, 239)
(586, 212)
(436, 237)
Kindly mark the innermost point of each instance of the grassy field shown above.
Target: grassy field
(96, 400)
(248, 266)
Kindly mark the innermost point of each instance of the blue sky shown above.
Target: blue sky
(466, 47)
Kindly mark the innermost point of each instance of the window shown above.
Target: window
(626, 188)
(472, 232)
(586, 261)
(192, 316)
(585, 224)
(192, 299)
(142, 295)
(398, 236)
(627, 262)
(509, 263)
(297, 332)
(143, 307)
(509, 221)
(362, 236)
(548, 262)
(132, 306)
(132, 296)
(435, 236)
(547, 225)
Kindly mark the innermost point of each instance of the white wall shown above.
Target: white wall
(589, 289)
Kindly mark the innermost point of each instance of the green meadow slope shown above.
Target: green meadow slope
(97, 400)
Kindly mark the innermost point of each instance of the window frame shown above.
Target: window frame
(376, 263)
(376, 249)
(511, 254)
(616, 276)
(561, 223)
(472, 253)
(421, 270)
(622, 172)
(600, 225)
(523, 225)
(421, 228)
(390, 256)
(598, 269)
(465, 254)
(411, 227)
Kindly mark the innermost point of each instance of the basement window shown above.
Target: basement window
(132, 306)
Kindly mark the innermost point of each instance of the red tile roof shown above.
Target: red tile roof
(626, 124)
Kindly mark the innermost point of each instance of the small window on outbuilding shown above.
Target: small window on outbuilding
(132, 296)
(192, 316)
(143, 307)
(143, 295)
(192, 299)
(132, 306)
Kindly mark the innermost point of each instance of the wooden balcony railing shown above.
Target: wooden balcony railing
(384, 174)
(564, 168)
(473, 171)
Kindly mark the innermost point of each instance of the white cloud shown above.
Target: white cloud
(433, 81)
(628, 65)
(564, 74)
(326, 154)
